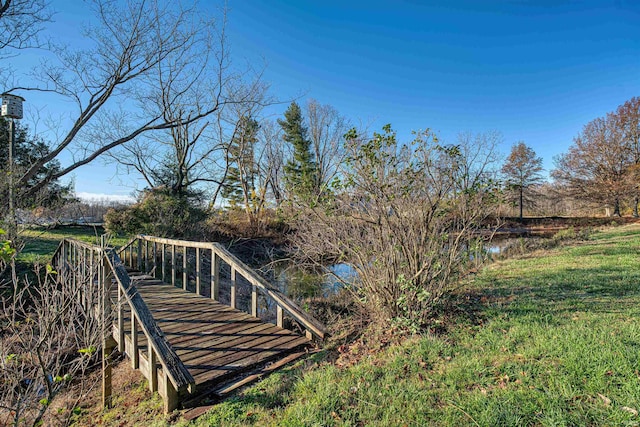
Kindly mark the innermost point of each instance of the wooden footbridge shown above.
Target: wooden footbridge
(192, 317)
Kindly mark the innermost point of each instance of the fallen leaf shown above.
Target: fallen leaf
(631, 410)
(605, 399)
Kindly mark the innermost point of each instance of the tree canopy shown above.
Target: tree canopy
(522, 169)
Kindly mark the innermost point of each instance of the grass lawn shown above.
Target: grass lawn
(554, 340)
(41, 243)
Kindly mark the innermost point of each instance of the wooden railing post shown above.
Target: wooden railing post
(121, 344)
(108, 343)
(173, 265)
(135, 356)
(184, 268)
(153, 370)
(198, 290)
(146, 257)
(254, 301)
(164, 262)
(170, 396)
(155, 260)
(234, 277)
(215, 275)
(139, 261)
(279, 316)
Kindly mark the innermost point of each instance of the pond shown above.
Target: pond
(298, 283)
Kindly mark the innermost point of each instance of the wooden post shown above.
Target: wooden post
(164, 262)
(155, 260)
(198, 290)
(121, 344)
(279, 316)
(254, 300)
(234, 276)
(135, 357)
(184, 268)
(153, 370)
(173, 265)
(108, 343)
(215, 275)
(140, 255)
(146, 256)
(170, 395)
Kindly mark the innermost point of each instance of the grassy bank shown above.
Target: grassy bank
(40, 242)
(551, 338)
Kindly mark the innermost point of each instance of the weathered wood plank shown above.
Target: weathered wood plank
(172, 366)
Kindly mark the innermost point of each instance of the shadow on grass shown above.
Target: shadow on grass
(553, 297)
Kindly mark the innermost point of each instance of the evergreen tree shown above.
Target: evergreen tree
(27, 150)
(301, 171)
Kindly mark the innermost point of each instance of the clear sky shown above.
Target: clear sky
(536, 71)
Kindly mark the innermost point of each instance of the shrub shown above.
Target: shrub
(158, 213)
(405, 218)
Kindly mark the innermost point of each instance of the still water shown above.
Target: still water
(299, 284)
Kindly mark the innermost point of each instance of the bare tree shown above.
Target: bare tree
(119, 85)
(272, 160)
(326, 130)
(597, 166)
(20, 23)
(628, 121)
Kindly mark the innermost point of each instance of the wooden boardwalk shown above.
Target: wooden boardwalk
(166, 305)
(214, 341)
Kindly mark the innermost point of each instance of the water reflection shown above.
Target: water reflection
(299, 283)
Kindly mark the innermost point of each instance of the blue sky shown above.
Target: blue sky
(536, 71)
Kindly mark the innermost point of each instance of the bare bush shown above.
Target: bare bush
(49, 337)
(406, 219)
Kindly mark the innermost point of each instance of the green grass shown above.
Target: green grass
(554, 341)
(41, 242)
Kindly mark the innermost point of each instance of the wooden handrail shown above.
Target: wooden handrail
(171, 364)
(312, 326)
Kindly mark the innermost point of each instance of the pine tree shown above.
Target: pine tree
(300, 172)
(27, 149)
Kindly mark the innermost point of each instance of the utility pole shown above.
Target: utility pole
(13, 226)
(12, 109)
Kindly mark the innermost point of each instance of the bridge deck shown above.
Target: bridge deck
(214, 341)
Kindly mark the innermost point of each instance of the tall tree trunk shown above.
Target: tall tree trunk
(616, 208)
(636, 201)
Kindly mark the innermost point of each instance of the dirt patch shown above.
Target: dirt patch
(133, 403)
